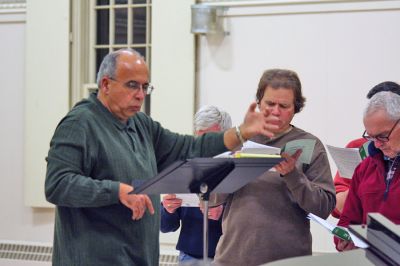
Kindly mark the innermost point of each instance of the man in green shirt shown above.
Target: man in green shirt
(103, 144)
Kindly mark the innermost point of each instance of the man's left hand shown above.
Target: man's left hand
(345, 245)
(214, 213)
(289, 163)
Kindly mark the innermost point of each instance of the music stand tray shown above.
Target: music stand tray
(177, 177)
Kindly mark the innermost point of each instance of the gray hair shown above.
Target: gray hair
(109, 64)
(209, 115)
(386, 101)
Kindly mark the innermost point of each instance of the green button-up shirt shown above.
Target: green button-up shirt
(90, 153)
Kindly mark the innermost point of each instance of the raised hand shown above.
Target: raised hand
(256, 123)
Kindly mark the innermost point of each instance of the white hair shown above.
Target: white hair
(209, 115)
(386, 101)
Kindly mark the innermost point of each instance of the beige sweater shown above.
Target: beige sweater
(266, 219)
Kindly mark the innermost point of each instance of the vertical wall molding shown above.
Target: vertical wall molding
(173, 65)
(47, 86)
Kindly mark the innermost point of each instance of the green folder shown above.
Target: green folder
(341, 233)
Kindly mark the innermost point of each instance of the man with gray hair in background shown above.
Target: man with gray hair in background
(211, 118)
(375, 185)
(190, 219)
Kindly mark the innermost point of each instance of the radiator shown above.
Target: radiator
(39, 254)
(25, 253)
(168, 260)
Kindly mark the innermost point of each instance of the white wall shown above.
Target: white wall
(339, 56)
(173, 65)
(18, 222)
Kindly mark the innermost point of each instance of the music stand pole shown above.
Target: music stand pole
(205, 196)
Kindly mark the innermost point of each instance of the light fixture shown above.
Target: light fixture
(206, 19)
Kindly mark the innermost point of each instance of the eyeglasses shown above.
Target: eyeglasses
(135, 86)
(379, 137)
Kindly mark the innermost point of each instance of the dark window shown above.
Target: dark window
(103, 30)
(139, 25)
(103, 2)
(121, 23)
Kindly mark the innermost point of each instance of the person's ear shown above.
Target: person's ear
(105, 84)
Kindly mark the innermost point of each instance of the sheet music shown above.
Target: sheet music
(346, 159)
(306, 145)
(227, 154)
(357, 242)
(257, 148)
(189, 200)
(251, 147)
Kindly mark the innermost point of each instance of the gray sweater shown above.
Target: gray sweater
(266, 219)
(90, 153)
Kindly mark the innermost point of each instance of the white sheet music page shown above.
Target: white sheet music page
(189, 200)
(357, 242)
(257, 148)
(227, 154)
(346, 160)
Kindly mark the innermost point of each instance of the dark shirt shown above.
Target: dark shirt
(190, 241)
(90, 154)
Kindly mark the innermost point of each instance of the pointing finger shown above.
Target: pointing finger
(149, 205)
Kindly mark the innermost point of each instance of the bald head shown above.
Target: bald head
(110, 62)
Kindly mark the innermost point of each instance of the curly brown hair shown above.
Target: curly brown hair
(281, 78)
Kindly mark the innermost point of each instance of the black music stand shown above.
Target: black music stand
(204, 180)
(383, 238)
(203, 176)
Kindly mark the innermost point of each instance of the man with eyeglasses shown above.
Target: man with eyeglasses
(375, 184)
(342, 184)
(103, 144)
